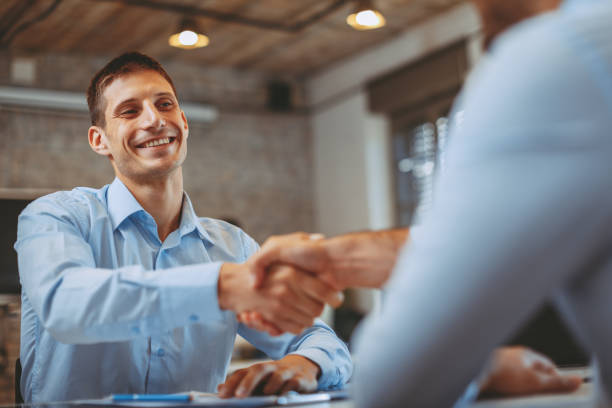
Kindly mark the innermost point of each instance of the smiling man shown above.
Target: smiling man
(126, 290)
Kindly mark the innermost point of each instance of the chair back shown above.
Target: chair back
(18, 396)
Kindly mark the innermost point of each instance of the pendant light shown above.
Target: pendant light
(188, 36)
(365, 17)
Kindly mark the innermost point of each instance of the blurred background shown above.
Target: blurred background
(312, 115)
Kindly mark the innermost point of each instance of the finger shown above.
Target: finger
(257, 322)
(319, 291)
(283, 313)
(270, 252)
(560, 383)
(298, 318)
(290, 385)
(296, 249)
(259, 275)
(276, 381)
(296, 304)
(545, 366)
(256, 374)
(290, 326)
(226, 390)
(243, 317)
(538, 361)
(307, 305)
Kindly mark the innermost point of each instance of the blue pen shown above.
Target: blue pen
(152, 397)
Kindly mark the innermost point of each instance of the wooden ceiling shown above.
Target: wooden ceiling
(261, 35)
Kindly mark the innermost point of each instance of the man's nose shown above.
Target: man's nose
(152, 117)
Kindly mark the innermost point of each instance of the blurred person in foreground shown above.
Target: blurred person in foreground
(521, 215)
(127, 290)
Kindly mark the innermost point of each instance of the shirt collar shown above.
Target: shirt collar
(190, 221)
(122, 204)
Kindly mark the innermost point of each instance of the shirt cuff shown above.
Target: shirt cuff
(189, 295)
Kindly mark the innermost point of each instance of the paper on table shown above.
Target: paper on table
(207, 399)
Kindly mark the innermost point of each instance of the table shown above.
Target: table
(582, 398)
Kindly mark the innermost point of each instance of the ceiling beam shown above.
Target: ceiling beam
(234, 18)
(24, 26)
(13, 15)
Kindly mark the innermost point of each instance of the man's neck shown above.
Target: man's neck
(162, 198)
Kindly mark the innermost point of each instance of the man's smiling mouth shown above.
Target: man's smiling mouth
(157, 142)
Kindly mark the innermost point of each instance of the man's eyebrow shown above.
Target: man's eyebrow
(165, 94)
(125, 102)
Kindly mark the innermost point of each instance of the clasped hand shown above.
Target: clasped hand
(303, 254)
(288, 296)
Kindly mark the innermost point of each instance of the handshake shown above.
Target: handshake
(286, 284)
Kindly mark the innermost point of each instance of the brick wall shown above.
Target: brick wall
(253, 167)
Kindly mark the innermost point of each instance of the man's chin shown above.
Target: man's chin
(150, 172)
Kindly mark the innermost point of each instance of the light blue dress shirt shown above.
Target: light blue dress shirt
(108, 308)
(522, 213)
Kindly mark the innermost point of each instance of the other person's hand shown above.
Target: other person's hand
(519, 370)
(291, 373)
(300, 249)
(361, 259)
(289, 299)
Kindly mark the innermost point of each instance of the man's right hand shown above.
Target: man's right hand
(288, 298)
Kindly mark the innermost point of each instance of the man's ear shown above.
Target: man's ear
(98, 141)
(185, 125)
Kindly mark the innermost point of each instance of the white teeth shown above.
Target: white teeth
(157, 142)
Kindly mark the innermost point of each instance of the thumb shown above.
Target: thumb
(560, 383)
(259, 275)
(258, 265)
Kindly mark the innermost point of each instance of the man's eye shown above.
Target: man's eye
(166, 104)
(128, 112)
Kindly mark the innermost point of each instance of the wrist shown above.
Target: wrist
(231, 278)
(307, 364)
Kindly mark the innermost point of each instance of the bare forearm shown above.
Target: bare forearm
(365, 259)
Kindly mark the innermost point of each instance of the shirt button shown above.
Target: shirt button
(160, 352)
(194, 318)
(136, 330)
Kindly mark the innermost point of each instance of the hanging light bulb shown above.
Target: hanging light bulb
(188, 36)
(365, 17)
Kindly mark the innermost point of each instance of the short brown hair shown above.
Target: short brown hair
(119, 66)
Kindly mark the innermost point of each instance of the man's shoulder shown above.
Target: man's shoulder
(78, 202)
(230, 238)
(529, 38)
(534, 64)
(555, 36)
(220, 229)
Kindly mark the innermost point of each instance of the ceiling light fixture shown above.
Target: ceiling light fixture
(188, 36)
(365, 17)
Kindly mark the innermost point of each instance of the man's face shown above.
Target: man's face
(146, 132)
